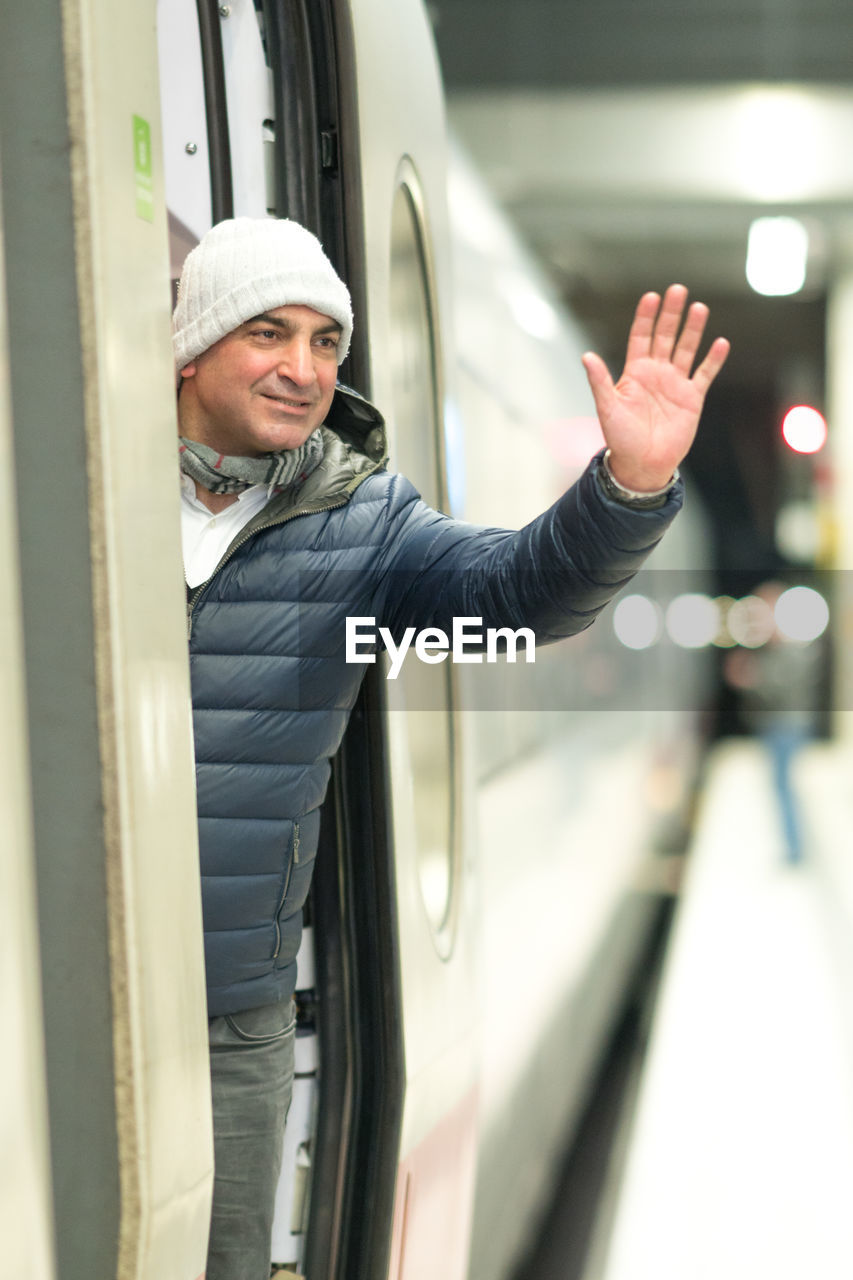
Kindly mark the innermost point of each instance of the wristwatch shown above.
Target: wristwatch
(632, 497)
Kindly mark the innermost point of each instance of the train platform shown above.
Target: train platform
(739, 1153)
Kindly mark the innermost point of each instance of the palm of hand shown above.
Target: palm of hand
(649, 417)
(653, 414)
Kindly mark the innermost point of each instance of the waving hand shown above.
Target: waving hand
(649, 417)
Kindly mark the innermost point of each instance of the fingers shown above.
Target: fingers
(691, 336)
(668, 322)
(643, 327)
(655, 333)
(656, 324)
(712, 364)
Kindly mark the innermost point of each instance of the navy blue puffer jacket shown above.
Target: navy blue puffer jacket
(271, 688)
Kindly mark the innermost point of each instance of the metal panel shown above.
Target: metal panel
(58, 639)
(25, 1200)
(248, 83)
(186, 159)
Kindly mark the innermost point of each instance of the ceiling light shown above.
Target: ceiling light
(776, 256)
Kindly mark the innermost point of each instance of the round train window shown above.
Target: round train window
(421, 699)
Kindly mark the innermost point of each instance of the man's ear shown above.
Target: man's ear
(189, 370)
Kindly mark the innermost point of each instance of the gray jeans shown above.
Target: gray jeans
(251, 1070)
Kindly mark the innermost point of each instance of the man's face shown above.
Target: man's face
(264, 387)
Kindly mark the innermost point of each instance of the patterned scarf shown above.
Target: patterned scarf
(221, 474)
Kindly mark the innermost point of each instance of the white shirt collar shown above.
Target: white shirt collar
(188, 488)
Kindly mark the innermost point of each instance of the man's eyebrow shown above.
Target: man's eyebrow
(285, 325)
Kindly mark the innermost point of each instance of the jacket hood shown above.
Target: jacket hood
(358, 423)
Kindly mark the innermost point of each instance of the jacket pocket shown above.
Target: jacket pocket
(292, 861)
(289, 917)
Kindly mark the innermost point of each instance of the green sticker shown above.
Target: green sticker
(142, 169)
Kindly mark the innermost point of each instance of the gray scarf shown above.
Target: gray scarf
(221, 474)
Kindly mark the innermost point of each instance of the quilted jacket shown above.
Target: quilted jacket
(271, 688)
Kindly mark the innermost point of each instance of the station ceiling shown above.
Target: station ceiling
(633, 141)
(600, 43)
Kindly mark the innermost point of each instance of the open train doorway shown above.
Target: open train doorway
(259, 119)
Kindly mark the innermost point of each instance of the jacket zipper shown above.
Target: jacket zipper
(288, 515)
(294, 859)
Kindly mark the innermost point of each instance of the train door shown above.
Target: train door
(108, 755)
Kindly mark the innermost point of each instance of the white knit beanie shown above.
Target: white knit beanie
(245, 266)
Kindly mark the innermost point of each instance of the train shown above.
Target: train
(481, 900)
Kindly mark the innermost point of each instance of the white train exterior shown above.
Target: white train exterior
(442, 1067)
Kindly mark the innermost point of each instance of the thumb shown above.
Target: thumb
(600, 382)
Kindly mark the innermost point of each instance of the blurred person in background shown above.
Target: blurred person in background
(779, 686)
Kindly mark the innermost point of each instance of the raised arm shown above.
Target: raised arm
(649, 417)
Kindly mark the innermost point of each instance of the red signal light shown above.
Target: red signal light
(804, 429)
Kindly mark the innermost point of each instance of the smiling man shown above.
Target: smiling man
(291, 526)
(264, 387)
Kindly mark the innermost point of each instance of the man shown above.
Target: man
(291, 525)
